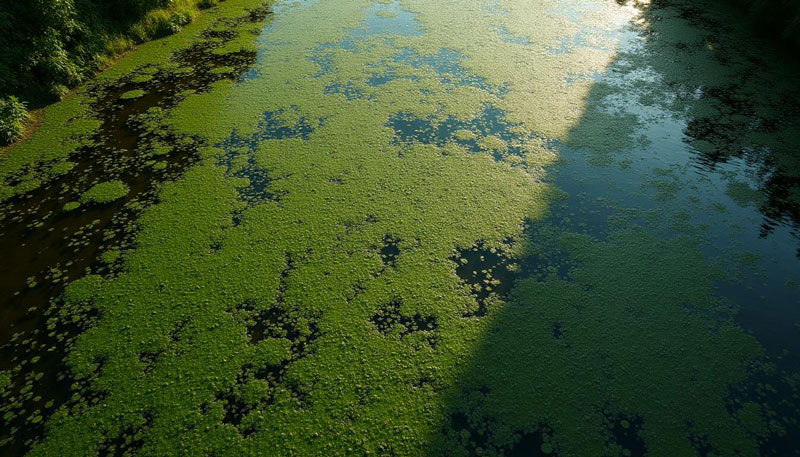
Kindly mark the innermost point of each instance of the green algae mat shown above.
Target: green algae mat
(409, 228)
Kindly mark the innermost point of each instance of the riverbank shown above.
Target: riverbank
(49, 48)
(66, 126)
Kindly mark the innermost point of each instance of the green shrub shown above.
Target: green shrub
(13, 115)
(50, 46)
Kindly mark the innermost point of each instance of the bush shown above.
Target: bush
(13, 115)
(49, 46)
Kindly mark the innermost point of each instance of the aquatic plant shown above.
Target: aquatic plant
(105, 192)
(132, 94)
(361, 265)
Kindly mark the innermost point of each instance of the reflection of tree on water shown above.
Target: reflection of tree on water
(721, 138)
(746, 108)
(758, 128)
(740, 98)
(633, 352)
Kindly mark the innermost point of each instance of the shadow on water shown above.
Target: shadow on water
(623, 341)
(49, 244)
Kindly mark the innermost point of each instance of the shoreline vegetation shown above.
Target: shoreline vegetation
(50, 48)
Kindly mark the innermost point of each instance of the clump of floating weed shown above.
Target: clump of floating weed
(69, 206)
(105, 192)
(222, 70)
(141, 78)
(132, 94)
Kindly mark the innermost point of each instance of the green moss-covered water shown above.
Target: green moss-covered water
(414, 228)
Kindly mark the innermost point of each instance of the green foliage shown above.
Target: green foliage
(12, 119)
(50, 46)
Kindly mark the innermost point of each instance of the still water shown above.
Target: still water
(402, 227)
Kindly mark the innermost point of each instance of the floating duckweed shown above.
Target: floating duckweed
(141, 78)
(323, 281)
(105, 192)
(161, 150)
(492, 143)
(110, 256)
(62, 168)
(132, 94)
(148, 70)
(464, 135)
(69, 206)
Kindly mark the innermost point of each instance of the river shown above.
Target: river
(403, 227)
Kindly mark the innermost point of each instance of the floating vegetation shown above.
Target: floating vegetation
(133, 94)
(69, 206)
(105, 192)
(143, 78)
(339, 233)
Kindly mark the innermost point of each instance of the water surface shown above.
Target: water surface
(415, 228)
